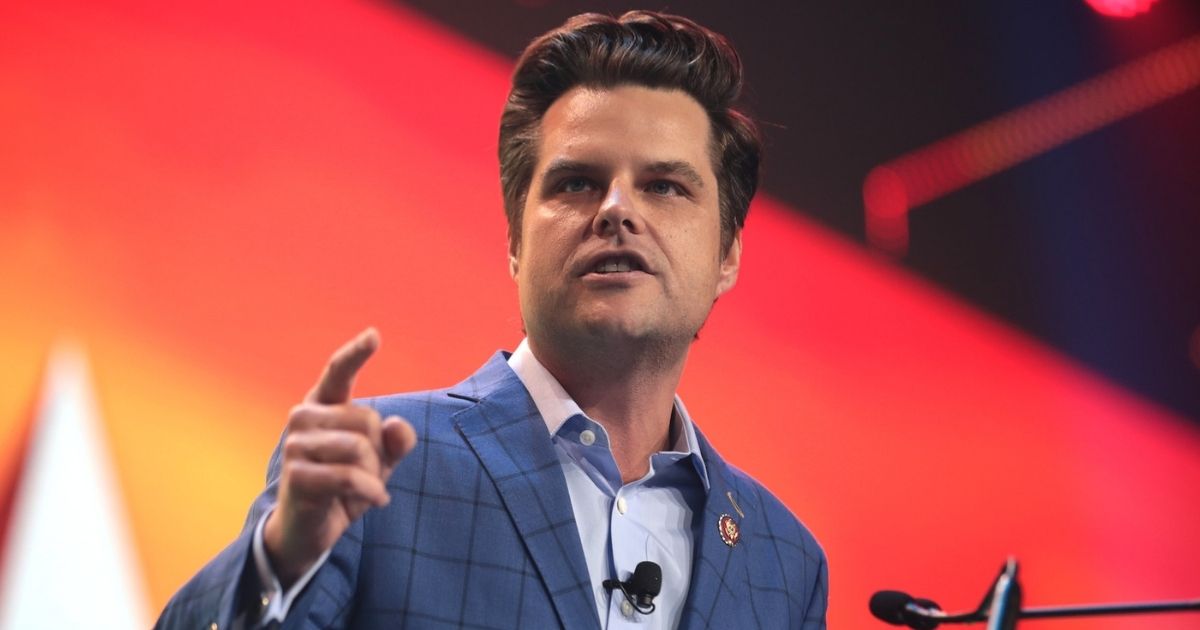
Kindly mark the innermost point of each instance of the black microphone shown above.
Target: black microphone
(902, 609)
(641, 588)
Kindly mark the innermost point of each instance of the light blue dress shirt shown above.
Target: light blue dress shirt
(654, 518)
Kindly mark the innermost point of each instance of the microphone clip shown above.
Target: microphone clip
(641, 588)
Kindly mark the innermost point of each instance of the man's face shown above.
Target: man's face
(620, 236)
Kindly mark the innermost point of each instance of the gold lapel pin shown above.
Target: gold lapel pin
(730, 534)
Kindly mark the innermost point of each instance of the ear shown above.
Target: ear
(514, 256)
(730, 265)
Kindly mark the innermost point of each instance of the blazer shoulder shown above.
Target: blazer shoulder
(494, 377)
(778, 521)
(789, 556)
(428, 411)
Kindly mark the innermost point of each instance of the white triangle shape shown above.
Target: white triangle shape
(69, 560)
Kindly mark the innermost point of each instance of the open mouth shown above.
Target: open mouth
(616, 264)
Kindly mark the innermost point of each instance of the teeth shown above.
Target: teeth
(615, 265)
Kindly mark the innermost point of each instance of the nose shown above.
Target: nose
(618, 214)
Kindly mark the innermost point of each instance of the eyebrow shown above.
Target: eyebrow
(679, 168)
(562, 166)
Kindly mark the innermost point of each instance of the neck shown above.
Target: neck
(631, 394)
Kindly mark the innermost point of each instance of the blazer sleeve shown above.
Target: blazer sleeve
(211, 598)
(226, 591)
(223, 593)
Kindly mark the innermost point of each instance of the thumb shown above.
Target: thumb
(399, 438)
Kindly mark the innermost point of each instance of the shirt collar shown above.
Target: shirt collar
(556, 406)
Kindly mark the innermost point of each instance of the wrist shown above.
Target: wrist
(287, 562)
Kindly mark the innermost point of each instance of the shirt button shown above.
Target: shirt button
(626, 608)
(621, 507)
(588, 437)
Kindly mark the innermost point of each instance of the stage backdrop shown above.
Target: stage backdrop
(197, 204)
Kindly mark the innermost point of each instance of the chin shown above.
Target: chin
(617, 331)
(616, 328)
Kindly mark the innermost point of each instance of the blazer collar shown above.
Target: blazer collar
(507, 434)
(719, 594)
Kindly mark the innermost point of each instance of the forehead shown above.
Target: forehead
(626, 123)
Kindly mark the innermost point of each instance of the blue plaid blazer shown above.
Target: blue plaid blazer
(480, 534)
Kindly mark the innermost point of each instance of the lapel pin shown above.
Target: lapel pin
(730, 534)
(736, 507)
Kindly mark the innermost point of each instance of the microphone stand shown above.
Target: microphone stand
(1098, 610)
(1001, 607)
(1006, 598)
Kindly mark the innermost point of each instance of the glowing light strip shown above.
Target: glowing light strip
(69, 536)
(892, 189)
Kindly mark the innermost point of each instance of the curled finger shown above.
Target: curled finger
(321, 481)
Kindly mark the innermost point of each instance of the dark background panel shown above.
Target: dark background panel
(1090, 247)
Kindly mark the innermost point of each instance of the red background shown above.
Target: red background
(211, 198)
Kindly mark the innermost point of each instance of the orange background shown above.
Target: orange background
(211, 198)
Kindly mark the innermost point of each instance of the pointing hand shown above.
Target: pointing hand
(337, 457)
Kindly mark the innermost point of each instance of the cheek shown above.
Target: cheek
(697, 248)
(553, 232)
(546, 246)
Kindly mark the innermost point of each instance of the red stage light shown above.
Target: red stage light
(892, 189)
(1121, 8)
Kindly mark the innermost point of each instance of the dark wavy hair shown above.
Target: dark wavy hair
(645, 48)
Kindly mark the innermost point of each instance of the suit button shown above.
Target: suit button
(213, 626)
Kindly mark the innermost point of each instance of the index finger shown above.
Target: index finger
(337, 380)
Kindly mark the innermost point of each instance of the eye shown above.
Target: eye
(574, 185)
(665, 188)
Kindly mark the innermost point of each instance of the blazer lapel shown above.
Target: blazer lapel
(719, 595)
(508, 435)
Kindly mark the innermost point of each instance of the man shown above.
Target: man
(526, 496)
